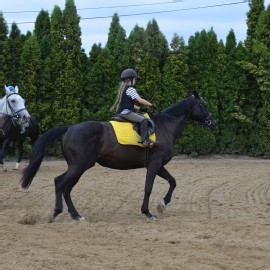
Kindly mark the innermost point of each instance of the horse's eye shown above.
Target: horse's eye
(13, 100)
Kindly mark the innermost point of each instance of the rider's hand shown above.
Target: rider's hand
(154, 106)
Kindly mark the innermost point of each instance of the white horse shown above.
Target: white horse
(12, 106)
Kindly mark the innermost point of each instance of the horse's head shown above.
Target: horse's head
(15, 106)
(201, 113)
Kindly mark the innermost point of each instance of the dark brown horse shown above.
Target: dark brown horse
(86, 143)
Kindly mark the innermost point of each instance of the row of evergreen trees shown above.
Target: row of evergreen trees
(64, 85)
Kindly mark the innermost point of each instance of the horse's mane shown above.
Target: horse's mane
(179, 108)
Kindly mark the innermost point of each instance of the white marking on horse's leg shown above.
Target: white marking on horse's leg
(153, 218)
(161, 207)
(17, 166)
(51, 218)
(81, 219)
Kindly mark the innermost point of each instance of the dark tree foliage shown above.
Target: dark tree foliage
(156, 52)
(256, 8)
(29, 80)
(15, 45)
(116, 48)
(3, 49)
(42, 33)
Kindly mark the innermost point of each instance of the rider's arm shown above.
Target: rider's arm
(143, 101)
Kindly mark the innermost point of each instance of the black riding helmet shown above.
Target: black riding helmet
(128, 74)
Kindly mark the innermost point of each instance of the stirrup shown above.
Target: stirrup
(149, 143)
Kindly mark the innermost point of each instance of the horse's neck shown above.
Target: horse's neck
(177, 117)
(3, 109)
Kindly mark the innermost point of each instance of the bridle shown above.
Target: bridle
(208, 116)
(14, 114)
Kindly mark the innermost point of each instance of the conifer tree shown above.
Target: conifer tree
(42, 32)
(202, 61)
(102, 89)
(72, 32)
(68, 89)
(156, 51)
(42, 35)
(136, 44)
(15, 45)
(30, 64)
(256, 8)
(233, 123)
(116, 46)
(175, 73)
(3, 49)
(57, 45)
(257, 65)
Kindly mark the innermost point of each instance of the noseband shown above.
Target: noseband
(207, 120)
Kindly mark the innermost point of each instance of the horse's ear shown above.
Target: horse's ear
(16, 89)
(7, 90)
(196, 95)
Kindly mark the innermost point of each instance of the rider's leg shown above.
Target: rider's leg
(144, 134)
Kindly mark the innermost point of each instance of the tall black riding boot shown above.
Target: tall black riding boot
(144, 134)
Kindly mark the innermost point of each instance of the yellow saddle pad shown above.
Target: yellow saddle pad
(125, 134)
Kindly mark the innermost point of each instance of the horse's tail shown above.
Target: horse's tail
(38, 153)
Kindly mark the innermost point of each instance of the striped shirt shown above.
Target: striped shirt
(132, 93)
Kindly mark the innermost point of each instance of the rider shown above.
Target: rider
(125, 104)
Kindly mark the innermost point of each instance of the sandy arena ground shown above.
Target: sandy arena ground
(219, 218)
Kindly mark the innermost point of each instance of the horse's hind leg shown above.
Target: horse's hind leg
(163, 173)
(58, 197)
(70, 179)
(63, 186)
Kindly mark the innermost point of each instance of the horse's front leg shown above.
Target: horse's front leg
(163, 173)
(20, 154)
(152, 170)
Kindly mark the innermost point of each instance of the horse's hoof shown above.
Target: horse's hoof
(17, 167)
(151, 218)
(51, 218)
(161, 207)
(81, 219)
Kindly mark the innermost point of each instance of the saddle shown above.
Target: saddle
(128, 133)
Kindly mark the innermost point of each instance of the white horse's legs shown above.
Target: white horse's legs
(3, 168)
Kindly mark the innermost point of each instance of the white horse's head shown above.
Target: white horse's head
(14, 105)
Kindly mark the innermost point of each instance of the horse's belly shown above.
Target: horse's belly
(120, 164)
